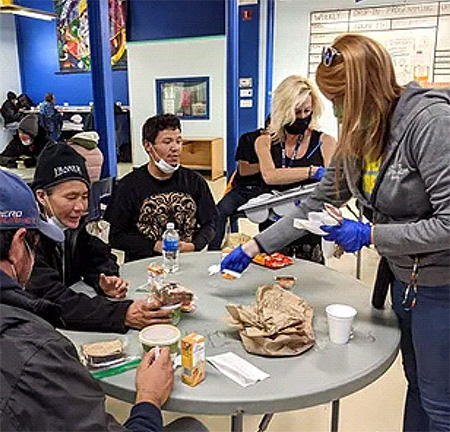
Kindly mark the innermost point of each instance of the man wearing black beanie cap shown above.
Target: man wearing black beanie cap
(61, 185)
(27, 144)
(59, 163)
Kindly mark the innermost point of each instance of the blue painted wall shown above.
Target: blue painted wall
(157, 19)
(39, 66)
(248, 64)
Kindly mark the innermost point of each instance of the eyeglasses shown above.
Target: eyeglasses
(329, 55)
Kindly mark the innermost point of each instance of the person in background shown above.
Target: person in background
(24, 101)
(50, 117)
(11, 111)
(86, 144)
(394, 157)
(61, 185)
(159, 192)
(295, 152)
(43, 384)
(246, 184)
(27, 144)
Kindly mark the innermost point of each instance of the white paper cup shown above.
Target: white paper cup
(340, 319)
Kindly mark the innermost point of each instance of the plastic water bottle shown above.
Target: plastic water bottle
(170, 248)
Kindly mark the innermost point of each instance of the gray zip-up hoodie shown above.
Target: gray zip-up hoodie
(410, 201)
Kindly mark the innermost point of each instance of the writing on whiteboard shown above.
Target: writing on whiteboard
(409, 33)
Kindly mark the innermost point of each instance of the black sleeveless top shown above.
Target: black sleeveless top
(313, 156)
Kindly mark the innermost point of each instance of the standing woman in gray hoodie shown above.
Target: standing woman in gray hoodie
(393, 156)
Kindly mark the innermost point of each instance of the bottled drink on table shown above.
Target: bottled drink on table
(170, 248)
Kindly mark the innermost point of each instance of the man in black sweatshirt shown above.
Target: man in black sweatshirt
(160, 192)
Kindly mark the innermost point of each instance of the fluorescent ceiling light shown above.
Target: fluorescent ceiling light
(7, 6)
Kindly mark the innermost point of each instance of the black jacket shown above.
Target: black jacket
(84, 257)
(15, 150)
(10, 112)
(43, 386)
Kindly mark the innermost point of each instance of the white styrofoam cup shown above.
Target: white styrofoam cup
(340, 319)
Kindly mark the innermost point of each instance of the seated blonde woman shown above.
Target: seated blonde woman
(295, 152)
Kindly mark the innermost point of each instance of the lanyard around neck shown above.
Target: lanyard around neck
(283, 153)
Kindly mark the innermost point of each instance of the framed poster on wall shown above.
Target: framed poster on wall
(187, 98)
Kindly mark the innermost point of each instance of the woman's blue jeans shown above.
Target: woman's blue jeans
(425, 347)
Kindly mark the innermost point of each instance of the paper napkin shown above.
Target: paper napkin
(238, 369)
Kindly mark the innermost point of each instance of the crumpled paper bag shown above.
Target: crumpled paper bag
(279, 324)
(233, 240)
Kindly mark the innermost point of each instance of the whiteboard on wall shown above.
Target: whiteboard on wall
(416, 36)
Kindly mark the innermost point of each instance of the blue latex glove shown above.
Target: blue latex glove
(319, 173)
(350, 235)
(237, 260)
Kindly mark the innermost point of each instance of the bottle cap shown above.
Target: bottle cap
(170, 225)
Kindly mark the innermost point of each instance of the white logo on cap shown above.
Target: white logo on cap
(11, 213)
(75, 169)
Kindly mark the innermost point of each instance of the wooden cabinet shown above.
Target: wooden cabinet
(203, 153)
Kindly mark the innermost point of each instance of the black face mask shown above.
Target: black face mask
(299, 126)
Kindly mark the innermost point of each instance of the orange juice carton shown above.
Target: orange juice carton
(193, 359)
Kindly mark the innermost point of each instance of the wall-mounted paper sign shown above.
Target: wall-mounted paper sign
(246, 103)
(246, 92)
(169, 106)
(245, 82)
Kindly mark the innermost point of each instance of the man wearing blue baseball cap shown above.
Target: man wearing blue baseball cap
(43, 384)
(18, 208)
(20, 227)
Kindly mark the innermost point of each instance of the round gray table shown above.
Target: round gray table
(26, 174)
(323, 374)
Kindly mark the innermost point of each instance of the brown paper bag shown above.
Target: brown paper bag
(233, 240)
(279, 324)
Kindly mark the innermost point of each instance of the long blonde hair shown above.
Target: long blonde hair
(363, 79)
(287, 97)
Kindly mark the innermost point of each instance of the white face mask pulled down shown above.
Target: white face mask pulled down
(51, 218)
(166, 168)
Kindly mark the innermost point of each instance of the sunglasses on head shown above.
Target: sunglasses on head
(329, 55)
